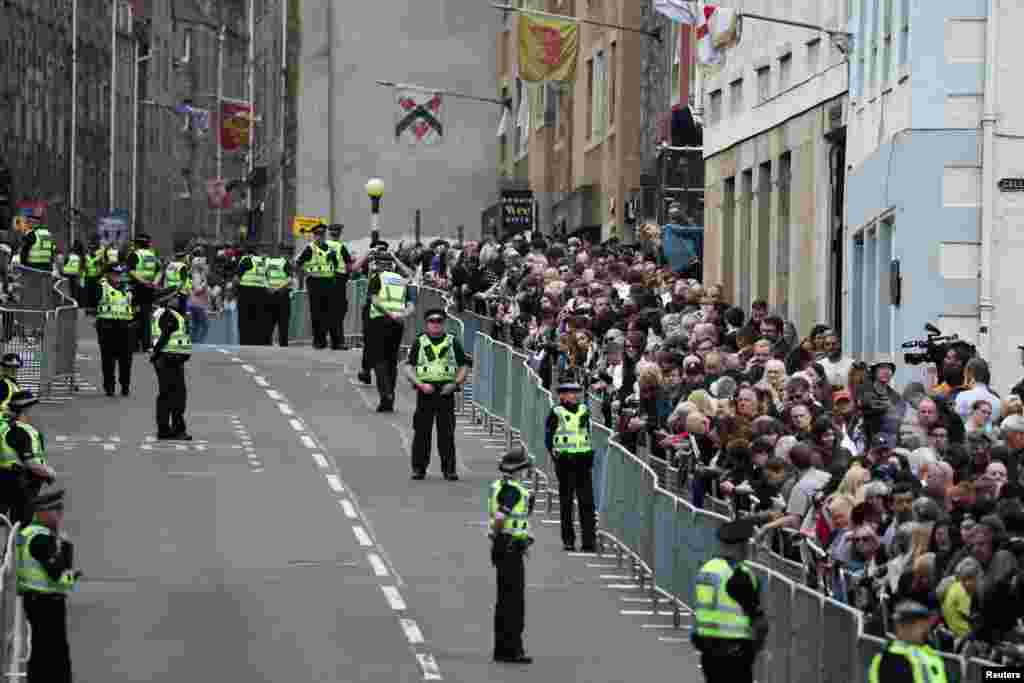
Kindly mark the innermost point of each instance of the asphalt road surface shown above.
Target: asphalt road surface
(287, 542)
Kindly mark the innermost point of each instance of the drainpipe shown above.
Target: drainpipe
(988, 183)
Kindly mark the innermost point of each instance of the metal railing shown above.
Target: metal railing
(650, 526)
(16, 647)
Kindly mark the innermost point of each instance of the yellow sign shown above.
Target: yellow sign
(304, 224)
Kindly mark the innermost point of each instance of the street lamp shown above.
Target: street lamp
(375, 191)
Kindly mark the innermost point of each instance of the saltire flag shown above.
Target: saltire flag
(419, 117)
(718, 28)
(548, 48)
(235, 120)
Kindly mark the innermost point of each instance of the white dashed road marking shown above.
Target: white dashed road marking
(429, 666)
(276, 395)
(321, 461)
(261, 381)
(394, 598)
(379, 568)
(296, 425)
(248, 368)
(285, 409)
(363, 537)
(307, 441)
(412, 631)
(350, 511)
(335, 483)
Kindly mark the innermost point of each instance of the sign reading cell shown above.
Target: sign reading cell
(1011, 185)
(517, 210)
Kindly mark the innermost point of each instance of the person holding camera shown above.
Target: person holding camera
(882, 406)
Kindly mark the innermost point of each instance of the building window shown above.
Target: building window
(736, 96)
(887, 44)
(764, 83)
(814, 56)
(611, 83)
(590, 98)
(675, 48)
(785, 71)
(715, 107)
(599, 96)
(783, 239)
(904, 29)
(729, 235)
(746, 226)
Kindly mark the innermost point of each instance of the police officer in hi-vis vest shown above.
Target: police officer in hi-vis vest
(389, 307)
(279, 296)
(171, 350)
(437, 369)
(143, 271)
(908, 658)
(115, 331)
(92, 270)
(567, 437)
(9, 366)
(319, 262)
(178, 275)
(74, 264)
(38, 249)
(509, 506)
(252, 298)
(46, 576)
(23, 456)
(339, 300)
(730, 625)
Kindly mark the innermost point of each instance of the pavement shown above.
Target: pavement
(287, 542)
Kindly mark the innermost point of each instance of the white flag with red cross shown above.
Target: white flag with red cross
(718, 28)
(419, 117)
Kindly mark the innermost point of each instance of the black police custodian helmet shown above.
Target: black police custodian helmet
(435, 314)
(11, 361)
(566, 387)
(736, 532)
(515, 460)
(908, 611)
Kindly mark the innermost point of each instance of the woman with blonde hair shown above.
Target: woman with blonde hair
(705, 404)
(853, 483)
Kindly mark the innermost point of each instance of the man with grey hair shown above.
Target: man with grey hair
(956, 593)
(1013, 432)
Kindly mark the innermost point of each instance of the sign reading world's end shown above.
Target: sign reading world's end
(1011, 185)
(516, 210)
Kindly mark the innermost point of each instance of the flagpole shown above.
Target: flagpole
(220, 119)
(113, 100)
(252, 114)
(448, 93)
(656, 33)
(790, 22)
(281, 119)
(73, 179)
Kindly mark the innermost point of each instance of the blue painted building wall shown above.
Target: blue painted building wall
(902, 181)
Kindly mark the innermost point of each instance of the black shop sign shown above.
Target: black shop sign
(516, 210)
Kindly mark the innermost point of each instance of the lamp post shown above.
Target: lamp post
(375, 191)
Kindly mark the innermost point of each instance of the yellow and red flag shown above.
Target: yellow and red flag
(548, 48)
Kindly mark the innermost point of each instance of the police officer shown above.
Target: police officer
(339, 304)
(279, 296)
(437, 369)
(172, 349)
(178, 275)
(567, 437)
(730, 624)
(23, 457)
(908, 658)
(319, 263)
(72, 270)
(509, 505)
(46, 575)
(389, 308)
(143, 270)
(115, 331)
(9, 366)
(252, 298)
(93, 268)
(38, 249)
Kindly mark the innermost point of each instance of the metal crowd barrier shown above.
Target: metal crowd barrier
(665, 539)
(41, 327)
(16, 647)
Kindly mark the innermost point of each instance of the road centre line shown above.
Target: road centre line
(350, 511)
(379, 568)
(335, 483)
(276, 395)
(363, 537)
(285, 409)
(248, 368)
(296, 425)
(394, 598)
(430, 670)
(321, 461)
(412, 631)
(261, 381)
(307, 441)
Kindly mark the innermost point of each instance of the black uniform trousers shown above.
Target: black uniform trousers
(321, 289)
(723, 667)
(142, 298)
(280, 309)
(510, 606)
(251, 315)
(384, 340)
(575, 480)
(14, 495)
(172, 396)
(367, 360)
(339, 308)
(51, 653)
(431, 408)
(117, 343)
(91, 295)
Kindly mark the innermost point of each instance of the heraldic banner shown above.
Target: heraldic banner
(234, 125)
(419, 117)
(548, 48)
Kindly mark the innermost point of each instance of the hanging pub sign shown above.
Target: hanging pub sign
(516, 210)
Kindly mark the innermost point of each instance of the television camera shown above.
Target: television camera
(934, 347)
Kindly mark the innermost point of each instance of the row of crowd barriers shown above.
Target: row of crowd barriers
(16, 647)
(40, 325)
(651, 525)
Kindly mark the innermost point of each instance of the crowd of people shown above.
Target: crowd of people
(884, 493)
